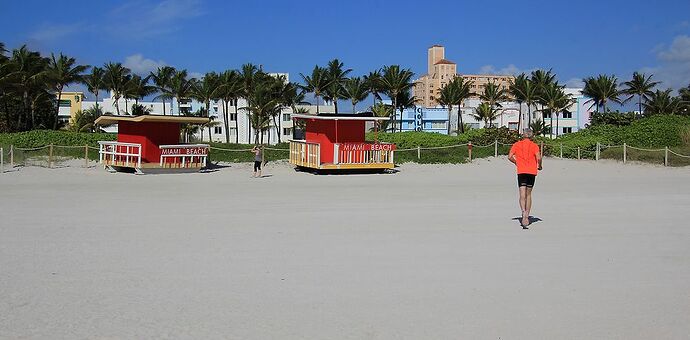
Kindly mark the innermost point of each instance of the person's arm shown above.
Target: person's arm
(511, 156)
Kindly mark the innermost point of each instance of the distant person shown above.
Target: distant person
(525, 154)
(258, 159)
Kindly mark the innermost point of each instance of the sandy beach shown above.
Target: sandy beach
(430, 252)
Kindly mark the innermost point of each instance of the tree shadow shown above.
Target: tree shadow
(532, 220)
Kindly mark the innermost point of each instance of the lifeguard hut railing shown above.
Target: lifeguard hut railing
(305, 154)
(120, 154)
(184, 156)
(363, 153)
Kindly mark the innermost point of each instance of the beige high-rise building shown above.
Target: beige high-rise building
(441, 71)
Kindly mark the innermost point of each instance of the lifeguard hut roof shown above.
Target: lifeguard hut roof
(108, 119)
(366, 116)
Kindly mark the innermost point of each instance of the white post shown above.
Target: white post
(419, 152)
(496, 148)
(666, 156)
(11, 156)
(578, 152)
(625, 153)
(596, 155)
(561, 150)
(2, 160)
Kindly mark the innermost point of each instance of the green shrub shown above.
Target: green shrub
(37, 138)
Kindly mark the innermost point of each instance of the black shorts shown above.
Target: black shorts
(257, 165)
(526, 180)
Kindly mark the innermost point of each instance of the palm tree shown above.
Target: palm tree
(448, 98)
(493, 95)
(356, 90)
(517, 89)
(381, 110)
(661, 102)
(181, 88)
(28, 80)
(464, 92)
(556, 101)
(539, 128)
(161, 78)
(541, 79)
(337, 78)
(263, 103)
(486, 113)
(115, 79)
(404, 100)
(249, 75)
(601, 90)
(94, 82)
(229, 90)
(137, 88)
(62, 71)
(373, 83)
(317, 83)
(395, 81)
(641, 86)
(205, 91)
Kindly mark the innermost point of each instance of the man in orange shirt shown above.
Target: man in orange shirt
(526, 155)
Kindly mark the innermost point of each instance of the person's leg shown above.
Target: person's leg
(528, 202)
(260, 169)
(523, 202)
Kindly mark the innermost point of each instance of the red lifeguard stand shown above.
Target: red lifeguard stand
(151, 142)
(338, 142)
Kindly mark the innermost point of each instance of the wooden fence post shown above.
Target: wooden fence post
(625, 153)
(469, 150)
(50, 156)
(496, 148)
(578, 152)
(2, 160)
(666, 156)
(419, 152)
(12, 156)
(86, 156)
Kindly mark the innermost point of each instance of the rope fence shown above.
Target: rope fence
(55, 156)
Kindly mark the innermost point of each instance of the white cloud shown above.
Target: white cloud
(146, 19)
(674, 63)
(575, 83)
(508, 70)
(196, 75)
(142, 66)
(50, 33)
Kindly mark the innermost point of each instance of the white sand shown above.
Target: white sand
(431, 252)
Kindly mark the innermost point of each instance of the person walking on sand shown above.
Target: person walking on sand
(258, 159)
(526, 156)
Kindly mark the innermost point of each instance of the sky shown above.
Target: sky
(576, 38)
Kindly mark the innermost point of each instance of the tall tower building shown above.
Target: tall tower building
(434, 55)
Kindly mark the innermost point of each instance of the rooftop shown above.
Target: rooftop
(444, 61)
(108, 119)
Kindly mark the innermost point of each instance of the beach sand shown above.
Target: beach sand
(430, 252)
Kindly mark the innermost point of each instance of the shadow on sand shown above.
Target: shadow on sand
(345, 171)
(532, 220)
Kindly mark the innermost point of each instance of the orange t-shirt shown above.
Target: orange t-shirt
(526, 152)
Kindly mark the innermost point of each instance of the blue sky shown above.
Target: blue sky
(575, 38)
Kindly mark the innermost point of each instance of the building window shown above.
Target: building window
(218, 130)
(513, 126)
(546, 115)
(233, 116)
(65, 103)
(567, 130)
(287, 131)
(567, 114)
(438, 125)
(286, 117)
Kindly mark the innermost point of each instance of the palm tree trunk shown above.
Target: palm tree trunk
(316, 96)
(126, 104)
(117, 105)
(353, 107)
(557, 127)
(519, 117)
(275, 122)
(450, 109)
(462, 124)
(237, 126)
(57, 112)
(551, 123)
(395, 108)
(335, 104)
(163, 100)
(529, 114)
(639, 103)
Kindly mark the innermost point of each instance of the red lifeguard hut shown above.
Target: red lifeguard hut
(337, 141)
(150, 142)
